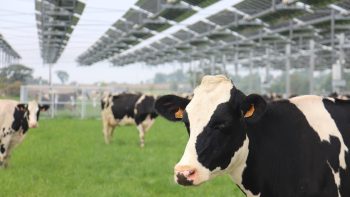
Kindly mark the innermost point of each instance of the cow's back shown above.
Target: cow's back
(123, 105)
(7, 108)
(144, 108)
(339, 110)
(298, 150)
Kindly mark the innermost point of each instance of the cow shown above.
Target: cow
(339, 96)
(15, 120)
(272, 97)
(127, 108)
(289, 148)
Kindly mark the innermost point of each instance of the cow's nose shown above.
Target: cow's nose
(185, 175)
(33, 125)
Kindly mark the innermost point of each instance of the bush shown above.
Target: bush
(10, 89)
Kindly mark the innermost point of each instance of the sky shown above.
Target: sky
(18, 27)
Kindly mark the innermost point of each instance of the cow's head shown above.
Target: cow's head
(105, 101)
(215, 119)
(32, 110)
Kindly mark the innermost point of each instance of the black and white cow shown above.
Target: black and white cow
(15, 120)
(127, 108)
(287, 148)
(339, 96)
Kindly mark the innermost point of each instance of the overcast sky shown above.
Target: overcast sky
(18, 27)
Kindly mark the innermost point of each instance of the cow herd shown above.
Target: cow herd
(297, 147)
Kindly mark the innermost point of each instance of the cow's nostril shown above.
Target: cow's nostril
(183, 180)
(185, 175)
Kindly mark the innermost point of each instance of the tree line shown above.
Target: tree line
(254, 83)
(15, 75)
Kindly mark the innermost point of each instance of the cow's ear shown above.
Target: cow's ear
(253, 108)
(22, 107)
(44, 107)
(171, 107)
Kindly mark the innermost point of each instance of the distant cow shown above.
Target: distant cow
(288, 148)
(127, 108)
(272, 97)
(339, 96)
(15, 120)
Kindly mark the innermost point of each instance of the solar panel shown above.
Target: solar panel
(201, 3)
(250, 25)
(6, 49)
(225, 17)
(201, 27)
(55, 22)
(183, 35)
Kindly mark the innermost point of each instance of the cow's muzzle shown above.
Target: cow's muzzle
(33, 125)
(185, 175)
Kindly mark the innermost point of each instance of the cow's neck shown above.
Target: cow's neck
(238, 163)
(250, 176)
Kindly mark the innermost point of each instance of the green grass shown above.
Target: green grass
(67, 157)
(10, 97)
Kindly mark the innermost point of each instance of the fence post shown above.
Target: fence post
(52, 103)
(22, 96)
(83, 104)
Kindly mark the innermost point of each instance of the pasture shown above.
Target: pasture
(67, 157)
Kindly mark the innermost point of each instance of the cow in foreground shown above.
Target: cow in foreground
(287, 148)
(15, 120)
(127, 108)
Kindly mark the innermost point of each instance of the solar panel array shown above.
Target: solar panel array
(7, 53)
(56, 20)
(250, 25)
(147, 19)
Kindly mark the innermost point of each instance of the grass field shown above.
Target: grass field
(67, 157)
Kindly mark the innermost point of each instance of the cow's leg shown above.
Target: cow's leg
(141, 129)
(3, 155)
(16, 139)
(4, 151)
(147, 124)
(107, 128)
(108, 133)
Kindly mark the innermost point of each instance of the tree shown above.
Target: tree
(160, 78)
(299, 83)
(63, 76)
(177, 76)
(16, 72)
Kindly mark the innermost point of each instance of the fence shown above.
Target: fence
(79, 101)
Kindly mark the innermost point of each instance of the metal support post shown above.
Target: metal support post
(83, 103)
(52, 94)
(212, 65)
(312, 66)
(288, 52)
(236, 64)
(224, 64)
(266, 83)
(250, 85)
(338, 67)
(332, 34)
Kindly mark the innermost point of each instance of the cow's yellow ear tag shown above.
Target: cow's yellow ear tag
(179, 113)
(250, 112)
